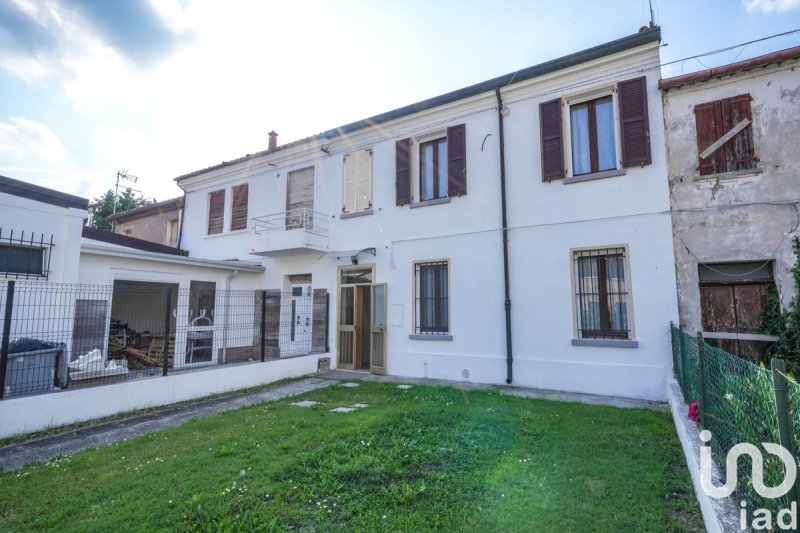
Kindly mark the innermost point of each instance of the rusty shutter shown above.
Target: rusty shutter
(552, 146)
(457, 160)
(634, 122)
(216, 212)
(239, 207)
(715, 119)
(402, 170)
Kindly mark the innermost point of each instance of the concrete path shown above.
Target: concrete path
(346, 375)
(43, 449)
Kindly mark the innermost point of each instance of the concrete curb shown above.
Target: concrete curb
(720, 516)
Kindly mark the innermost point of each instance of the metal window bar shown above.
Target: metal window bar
(432, 298)
(601, 294)
(25, 256)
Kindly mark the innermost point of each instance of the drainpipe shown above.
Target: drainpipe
(180, 224)
(509, 352)
(227, 313)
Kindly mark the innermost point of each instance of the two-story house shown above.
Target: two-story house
(513, 231)
(733, 163)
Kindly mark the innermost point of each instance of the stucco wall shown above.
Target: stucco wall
(749, 216)
(153, 227)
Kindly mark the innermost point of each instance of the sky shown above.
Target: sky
(160, 88)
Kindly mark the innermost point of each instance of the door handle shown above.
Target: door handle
(308, 321)
(298, 320)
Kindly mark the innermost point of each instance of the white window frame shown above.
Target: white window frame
(415, 290)
(414, 161)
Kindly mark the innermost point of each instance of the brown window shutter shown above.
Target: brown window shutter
(706, 134)
(403, 175)
(713, 120)
(634, 122)
(239, 207)
(552, 145)
(216, 212)
(457, 160)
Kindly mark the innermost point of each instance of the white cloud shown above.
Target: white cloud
(27, 139)
(771, 6)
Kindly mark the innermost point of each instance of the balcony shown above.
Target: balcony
(290, 232)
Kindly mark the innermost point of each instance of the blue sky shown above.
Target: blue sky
(165, 87)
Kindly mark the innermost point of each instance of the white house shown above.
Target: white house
(514, 231)
(733, 164)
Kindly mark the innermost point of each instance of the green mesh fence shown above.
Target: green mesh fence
(740, 407)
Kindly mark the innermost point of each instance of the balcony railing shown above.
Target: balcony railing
(303, 218)
(294, 231)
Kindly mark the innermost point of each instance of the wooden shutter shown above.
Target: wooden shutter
(364, 180)
(239, 207)
(216, 212)
(715, 119)
(552, 144)
(350, 183)
(634, 122)
(272, 323)
(319, 328)
(457, 160)
(300, 189)
(402, 169)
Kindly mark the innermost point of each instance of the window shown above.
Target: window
(433, 169)
(601, 294)
(24, 261)
(216, 212)
(432, 302)
(436, 169)
(357, 182)
(592, 129)
(239, 207)
(172, 232)
(724, 135)
(592, 123)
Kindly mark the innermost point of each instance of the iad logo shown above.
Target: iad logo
(762, 518)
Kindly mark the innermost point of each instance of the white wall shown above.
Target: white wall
(546, 221)
(34, 413)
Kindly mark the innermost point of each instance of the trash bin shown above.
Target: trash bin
(31, 366)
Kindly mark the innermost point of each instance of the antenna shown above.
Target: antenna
(652, 16)
(124, 176)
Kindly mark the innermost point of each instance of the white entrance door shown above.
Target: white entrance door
(301, 319)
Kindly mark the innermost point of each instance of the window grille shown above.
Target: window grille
(432, 302)
(24, 256)
(601, 294)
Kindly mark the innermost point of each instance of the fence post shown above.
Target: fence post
(263, 324)
(327, 321)
(682, 344)
(167, 324)
(785, 430)
(6, 335)
(674, 351)
(701, 357)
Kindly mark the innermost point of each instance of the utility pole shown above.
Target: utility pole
(124, 176)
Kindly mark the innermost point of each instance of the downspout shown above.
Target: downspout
(509, 351)
(227, 313)
(180, 223)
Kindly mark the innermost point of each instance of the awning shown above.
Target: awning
(347, 254)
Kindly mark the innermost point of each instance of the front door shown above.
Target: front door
(300, 319)
(346, 328)
(377, 361)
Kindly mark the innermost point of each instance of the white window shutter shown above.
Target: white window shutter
(364, 180)
(350, 183)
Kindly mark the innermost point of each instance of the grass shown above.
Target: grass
(427, 458)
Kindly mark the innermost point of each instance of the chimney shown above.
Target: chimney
(273, 140)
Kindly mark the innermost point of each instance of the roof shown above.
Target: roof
(747, 64)
(130, 242)
(644, 36)
(41, 194)
(158, 207)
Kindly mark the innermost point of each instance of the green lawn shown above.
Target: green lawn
(427, 458)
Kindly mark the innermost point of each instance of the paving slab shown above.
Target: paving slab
(344, 410)
(45, 448)
(305, 403)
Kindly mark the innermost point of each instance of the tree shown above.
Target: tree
(104, 206)
(785, 323)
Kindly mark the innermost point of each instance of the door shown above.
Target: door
(378, 330)
(299, 198)
(300, 319)
(346, 328)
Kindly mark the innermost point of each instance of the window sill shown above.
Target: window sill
(430, 337)
(356, 214)
(224, 233)
(424, 203)
(606, 343)
(750, 172)
(594, 176)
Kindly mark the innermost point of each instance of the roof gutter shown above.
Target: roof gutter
(506, 281)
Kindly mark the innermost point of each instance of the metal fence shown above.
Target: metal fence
(66, 336)
(740, 402)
